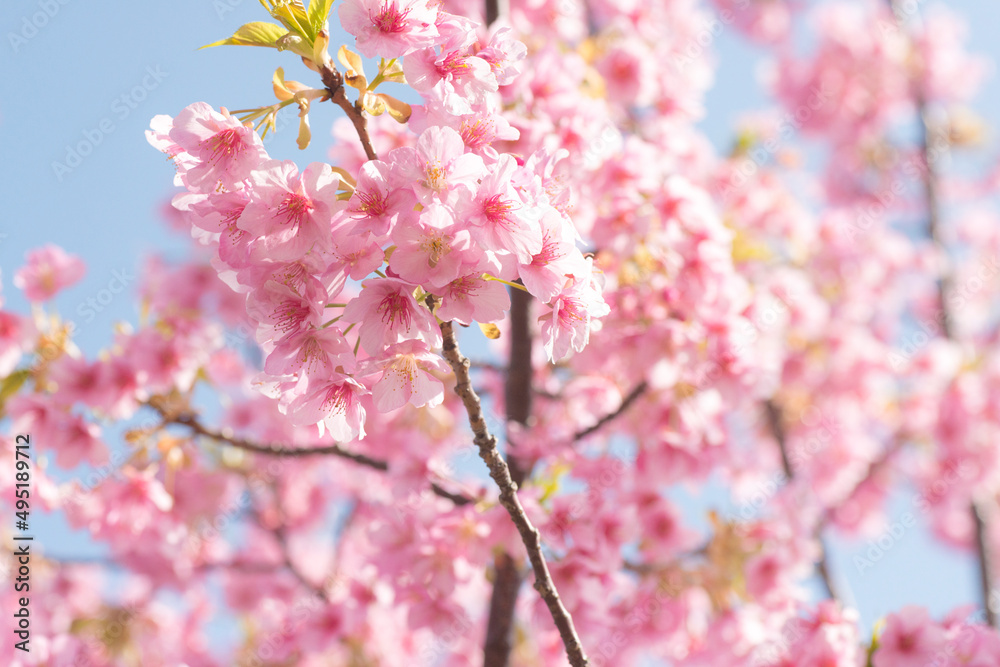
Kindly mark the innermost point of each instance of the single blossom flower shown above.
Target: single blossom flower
(220, 149)
(388, 314)
(49, 270)
(389, 28)
(407, 376)
(289, 213)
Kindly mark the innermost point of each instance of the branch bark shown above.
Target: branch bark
(933, 206)
(777, 425)
(333, 81)
(191, 421)
(518, 399)
(627, 402)
(490, 454)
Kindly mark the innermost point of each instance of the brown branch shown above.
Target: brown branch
(488, 451)
(494, 10)
(933, 205)
(191, 422)
(333, 81)
(985, 558)
(282, 538)
(631, 398)
(776, 423)
(518, 400)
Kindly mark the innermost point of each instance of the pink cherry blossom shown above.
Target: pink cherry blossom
(49, 270)
(438, 164)
(407, 376)
(910, 639)
(432, 251)
(221, 149)
(389, 28)
(290, 213)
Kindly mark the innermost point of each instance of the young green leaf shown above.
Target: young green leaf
(258, 33)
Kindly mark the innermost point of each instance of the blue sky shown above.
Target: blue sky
(79, 83)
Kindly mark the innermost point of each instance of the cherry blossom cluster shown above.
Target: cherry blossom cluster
(779, 331)
(450, 219)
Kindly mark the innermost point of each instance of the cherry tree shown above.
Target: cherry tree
(293, 436)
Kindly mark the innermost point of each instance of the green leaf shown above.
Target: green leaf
(292, 13)
(319, 11)
(12, 384)
(258, 33)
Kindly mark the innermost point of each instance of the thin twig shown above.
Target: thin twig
(333, 80)
(488, 451)
(985, 573)
(776, 423)
(282, 538)
(631, 398)
(192, 422)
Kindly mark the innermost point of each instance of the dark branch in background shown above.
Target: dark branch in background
(776, 423)
(517, 396)
(931, 201)
(933, 205)
(500, 473)
(494, 10)
(631, 398)
(279, 534)
(191, 422)
(985, 572)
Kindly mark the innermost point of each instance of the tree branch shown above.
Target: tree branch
(631, 398)
(333, 80)
(985, 572)
(933, 206)
(191, 421)
(500, 473)
(776, 423)
(518, 400)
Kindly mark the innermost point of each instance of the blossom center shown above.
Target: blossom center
(390, 19)
(549, 253)
(370, 203)
(394, 307)
(225, 145)
(476, 133)
(289, 315)
(453, 63)
(294, 208)
(496, 209)
(436, 247)
(338, 399)
(436, 175)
